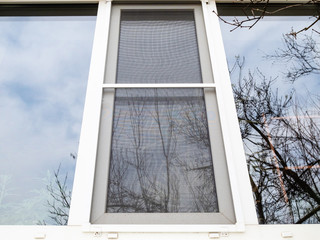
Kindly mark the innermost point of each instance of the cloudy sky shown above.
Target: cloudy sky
(265, 38)
(44, 63)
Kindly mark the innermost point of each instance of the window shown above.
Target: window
(276, 88)
(44, 64)
(161, 157)
(144, 128)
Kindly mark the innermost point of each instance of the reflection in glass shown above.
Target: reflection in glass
(44, 63)
(276, 87)
(161, 159)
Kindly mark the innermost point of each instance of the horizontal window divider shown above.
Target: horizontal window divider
(159, 85)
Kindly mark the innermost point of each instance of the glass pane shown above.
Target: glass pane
(276, 86)
(44, 63)
(158, 47)
(161, 159)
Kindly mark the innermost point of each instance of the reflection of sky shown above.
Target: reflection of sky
(264, 39)
(297, 145)
(44, 63)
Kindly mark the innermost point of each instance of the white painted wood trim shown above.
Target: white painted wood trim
(253, 232)
(236, 161)
(160, 85)
(85, 169)
(214, 42)
(163, 228)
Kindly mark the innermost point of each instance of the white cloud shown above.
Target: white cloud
(264, 39)
(44, 67)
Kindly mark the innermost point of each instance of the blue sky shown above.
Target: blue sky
(44, 64)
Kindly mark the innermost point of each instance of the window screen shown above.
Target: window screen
(160, 155)
(158, 47)
(161, 158)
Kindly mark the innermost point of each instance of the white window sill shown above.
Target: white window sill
(165, 228)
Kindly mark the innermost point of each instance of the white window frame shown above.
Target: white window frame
(80, 206)
(85, 170)
(98, 215)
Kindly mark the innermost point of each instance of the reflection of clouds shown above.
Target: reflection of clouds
(44, 67)
(264, 39)
(293, 132)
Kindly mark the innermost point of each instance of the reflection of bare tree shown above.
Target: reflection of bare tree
(194, 127)
(59, 203)
(155, 165)
(253, 11)
(281, 137)
(303, 55)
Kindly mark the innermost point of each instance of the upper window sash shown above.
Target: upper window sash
(159, 85)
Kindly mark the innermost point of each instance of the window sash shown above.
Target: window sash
(159, 85)
(226, 213)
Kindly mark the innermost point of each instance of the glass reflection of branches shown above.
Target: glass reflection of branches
(281, 134)
(159, 162)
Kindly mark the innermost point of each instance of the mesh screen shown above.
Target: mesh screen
(161, 157)
(158, 47)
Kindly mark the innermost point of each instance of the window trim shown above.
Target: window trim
(240, 186)
(236, 161)
(226, 213)
(75, 9)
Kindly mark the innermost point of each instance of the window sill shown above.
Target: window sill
(162, 228)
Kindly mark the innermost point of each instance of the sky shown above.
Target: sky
(44, 64)
(265, 38)
(254, 45)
